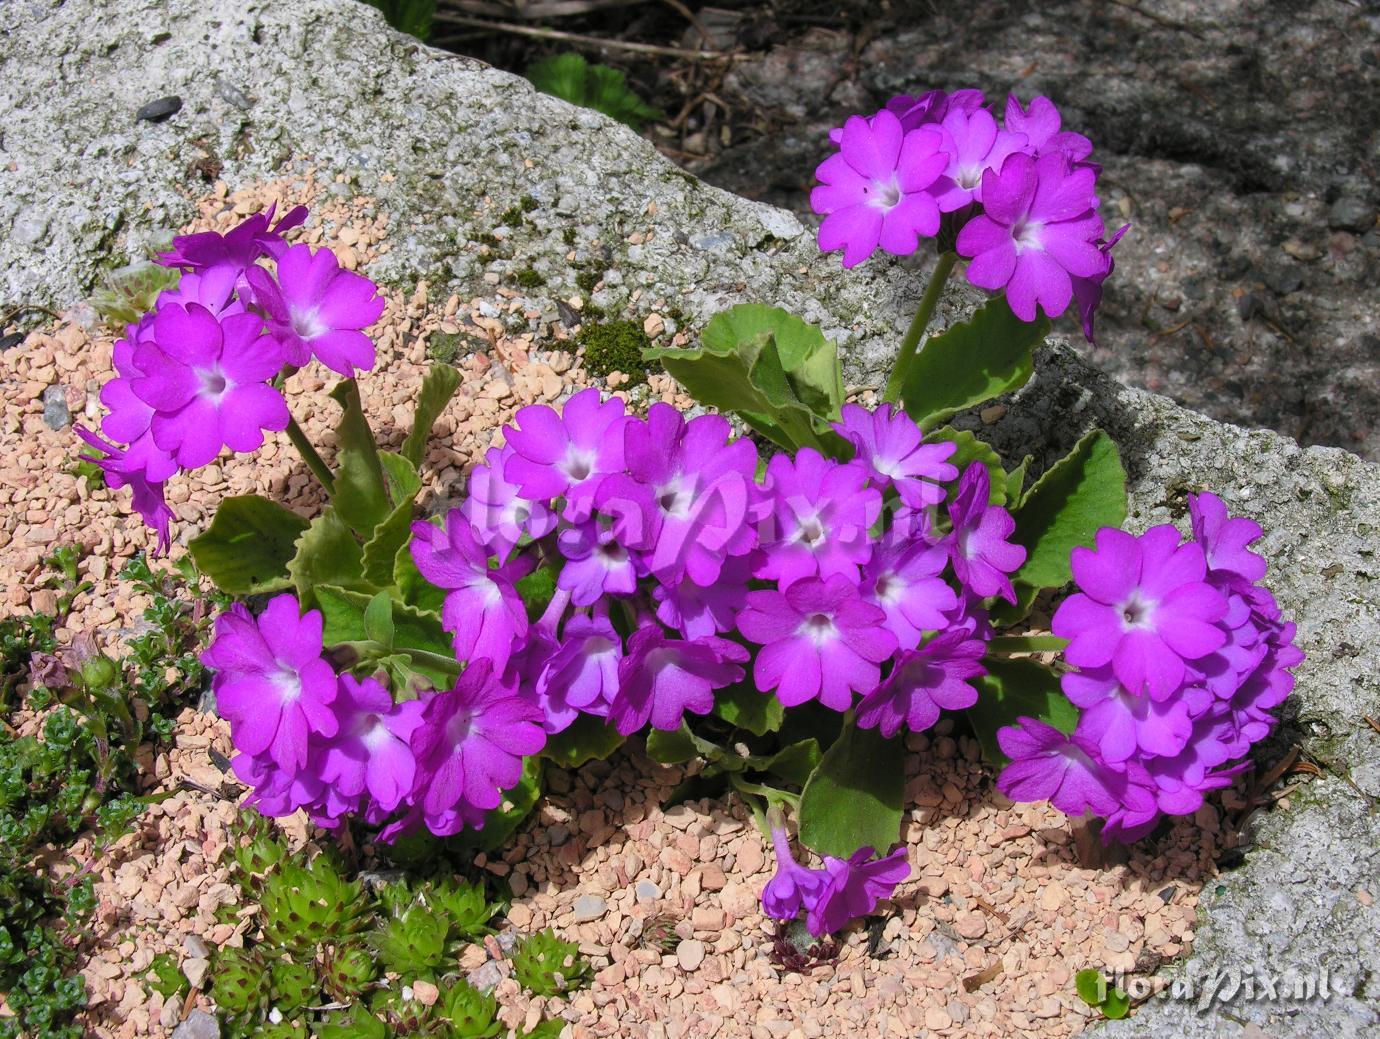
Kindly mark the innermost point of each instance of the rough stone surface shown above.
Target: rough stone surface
(1241, 140)
(198, 1025)
(449, 148)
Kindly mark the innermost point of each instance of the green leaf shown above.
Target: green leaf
(587, 739)
(671, 748)
(973, 361)
(1015, 688)
(969, 449)
(1015, 483)
(743, 705)
(247, 548)
(1090, 985)
(390, 538)
(344, 610)
(327, 554)
(569, 77)
(502, 822)
(853, 798)
(537, 588)
(1003, 613)
(438, 386)
(795, 763)
(777, 372)
(416, 590)
(360, 496)
(409, 16)
(1116, 1006)
(1083, 491)
(378, 619)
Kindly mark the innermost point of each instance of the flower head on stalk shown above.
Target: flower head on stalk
(890, 444)
(316, 308)
(982, 555)
(148, 500)
(237, 249)
(496, 509)
(820, 640)
(822, 511)
(469, 748)
(937, 676)
(272, 682)
(370, 752)
(568, 454)
(482, 609)
(660, 679)
(875, 190)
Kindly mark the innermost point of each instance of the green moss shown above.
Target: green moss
(512, 216)
(445, 347)
(616, 347)
(527, 203)
(528, 278)
(568, 236)
(586, 280)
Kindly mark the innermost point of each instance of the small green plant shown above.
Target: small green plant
(547, 966)
(309, 906)
(127, 293)
(1093, 990)
(472, 1014)
(571, 78)
(410, 16)
(414, 943)
(165, 978)
(615, 346)
(241, 981)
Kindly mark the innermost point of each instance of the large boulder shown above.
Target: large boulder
(456, 151)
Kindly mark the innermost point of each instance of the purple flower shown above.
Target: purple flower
(147, 493)
(695, 611)
(687, 496)
(873, 190)
(823, 511)
(567, 454)
(937, 676)
(582, 675)
(1123, 725)
(792, 886)
(271, 681)
(1087, 291)
(1047, 765)
(277, 792)
(371, 750)
(843, 891)
(889, 443)
(1038, 230)
(483, 609)
(238, 248)
(1225, 540)
(661, 678)
(207, 383)
(903, 578)
(316, 308)
(853, 887)
(469, 748)
(974, 147)
(1142, 606)
(597, 563)
(499, 514)
(1040, 125)
(820, 640)
(982, 555)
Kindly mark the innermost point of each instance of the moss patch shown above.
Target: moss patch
(617, 347)
(528, 278)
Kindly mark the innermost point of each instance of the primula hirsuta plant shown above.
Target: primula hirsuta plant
(778, 609)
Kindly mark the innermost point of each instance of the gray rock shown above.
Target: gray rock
(159, 110)
(465, 143)
(198, 1025)
(646, 891)
(1350, 213)
(55, 412)
(487, 977)
(589, 907)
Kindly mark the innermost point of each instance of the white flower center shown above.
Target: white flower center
(889, 590)
(288, 683)
(811, 532)
(818, 628)
(577, 464)
(307, 323)
(674, 498)
(1136, 612)
(1028, 234)
(214, 383)
(886, 194)
(371, 730)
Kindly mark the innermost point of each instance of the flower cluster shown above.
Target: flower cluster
(199, 373)
(668, 554)
(843, 890)
(339, 746)
(1017, 198)
(1182, 655)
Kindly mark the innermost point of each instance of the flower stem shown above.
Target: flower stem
(1026, 644)
(309, 455)
(918, 325)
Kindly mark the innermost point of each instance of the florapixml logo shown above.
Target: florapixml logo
(1225, 986)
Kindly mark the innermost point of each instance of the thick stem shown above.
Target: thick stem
(918, 325)
(1026, 644)
(309, 455)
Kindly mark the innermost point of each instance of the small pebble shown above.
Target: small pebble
(157, 111)
(690, 954)
(589, 907)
